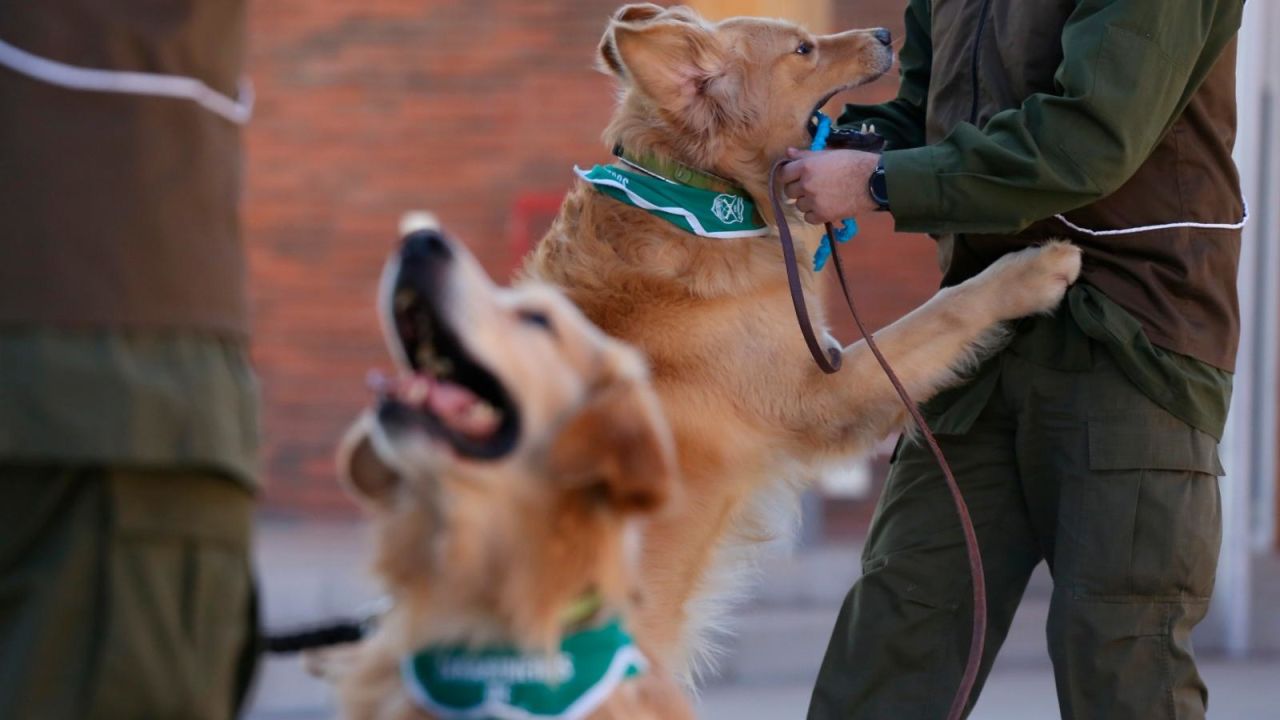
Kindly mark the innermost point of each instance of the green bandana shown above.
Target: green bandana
(458, 684)
(702, 212)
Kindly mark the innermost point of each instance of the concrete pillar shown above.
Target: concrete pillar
(1249, 446)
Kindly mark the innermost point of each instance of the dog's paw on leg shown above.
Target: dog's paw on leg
(1034, 280)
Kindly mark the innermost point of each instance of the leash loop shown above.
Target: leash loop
(831, 360)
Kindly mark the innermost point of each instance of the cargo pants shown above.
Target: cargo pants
(1076, 468)
(124, 594)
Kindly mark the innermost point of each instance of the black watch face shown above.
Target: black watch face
(879, 188)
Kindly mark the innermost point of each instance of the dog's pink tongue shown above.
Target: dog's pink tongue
(461, 410)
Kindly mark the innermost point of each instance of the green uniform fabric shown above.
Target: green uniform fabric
(1016, 169)
(1077, 467)
(1107, 122)
(1194, 392)
(123, 593)
(134, 399)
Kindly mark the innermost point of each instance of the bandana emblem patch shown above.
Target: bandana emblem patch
(729, 208)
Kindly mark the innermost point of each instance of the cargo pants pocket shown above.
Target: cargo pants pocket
(1148, 519)
(179, 596)
(1136, 558)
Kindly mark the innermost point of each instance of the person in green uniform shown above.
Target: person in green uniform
(127, 404)
(1090, 442)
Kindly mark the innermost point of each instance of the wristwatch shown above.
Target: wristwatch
(878, 187)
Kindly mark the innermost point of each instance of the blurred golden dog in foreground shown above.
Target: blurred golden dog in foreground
(508, 473)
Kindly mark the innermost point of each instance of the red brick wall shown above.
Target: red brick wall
(368, 109)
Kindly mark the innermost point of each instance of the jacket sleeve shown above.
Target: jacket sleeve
(901, 120)
(1129, 68)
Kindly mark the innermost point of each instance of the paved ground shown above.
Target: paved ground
(317, 571)
(1240, 691)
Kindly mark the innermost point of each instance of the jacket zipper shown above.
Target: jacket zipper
(973, 65)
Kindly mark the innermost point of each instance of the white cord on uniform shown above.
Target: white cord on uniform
(236, 110)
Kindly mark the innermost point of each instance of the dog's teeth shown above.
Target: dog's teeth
(417, 391)
(481, 413)
(433, 364)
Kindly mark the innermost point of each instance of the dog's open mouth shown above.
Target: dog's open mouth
(817, 107)
(812, 125)
(844, 138)
(447, 394)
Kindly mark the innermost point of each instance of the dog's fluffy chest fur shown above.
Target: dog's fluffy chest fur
(716, 309)
(715, 320)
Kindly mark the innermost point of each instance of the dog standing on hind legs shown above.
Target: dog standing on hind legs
(717, 105)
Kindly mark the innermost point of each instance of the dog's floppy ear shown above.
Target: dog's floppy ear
(634, 13)
(618, 447)
(674, 59)
(361, 471)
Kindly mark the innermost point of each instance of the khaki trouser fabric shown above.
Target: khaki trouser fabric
(124, 594)
(1078, 468)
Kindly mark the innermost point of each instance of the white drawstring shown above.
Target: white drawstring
(131, 83)
(1166, 226)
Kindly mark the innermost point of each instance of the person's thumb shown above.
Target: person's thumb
(797, 153)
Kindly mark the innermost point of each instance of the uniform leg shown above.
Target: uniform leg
(123, 593)
(1133, 534)
(902, 636)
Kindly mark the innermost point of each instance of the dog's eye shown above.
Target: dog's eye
(536, 318)
(804, 48)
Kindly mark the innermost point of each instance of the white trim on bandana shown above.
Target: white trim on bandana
(235, 110)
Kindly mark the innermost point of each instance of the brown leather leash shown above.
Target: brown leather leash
(830, 362)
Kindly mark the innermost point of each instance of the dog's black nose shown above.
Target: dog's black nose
(884, 36)
(425, 245)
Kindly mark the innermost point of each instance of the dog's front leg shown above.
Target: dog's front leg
(931, 347)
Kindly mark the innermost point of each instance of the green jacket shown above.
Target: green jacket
(1109, 122)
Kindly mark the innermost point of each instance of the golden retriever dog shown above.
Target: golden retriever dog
(508, 474)
(750, 411)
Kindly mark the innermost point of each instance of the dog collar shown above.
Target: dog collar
(582, 610)
(458, 683)
(703, 212)
(667, 169)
